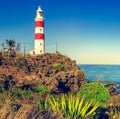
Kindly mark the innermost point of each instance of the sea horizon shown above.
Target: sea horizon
(102, 72)
(96, 64)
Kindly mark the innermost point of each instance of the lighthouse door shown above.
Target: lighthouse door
(33, 52)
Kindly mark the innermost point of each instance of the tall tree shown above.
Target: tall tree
(10, 45)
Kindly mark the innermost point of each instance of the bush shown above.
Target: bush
(94, 90)
(2, 89)
(19, 54)
(20, 93)
(56, 65)
(41, 89)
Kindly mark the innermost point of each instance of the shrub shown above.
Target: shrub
(41, 89)
(94, 90)
(71, 106)
(56, 65)
(19, 54)
(20, 93)
(2, 89)
(27, 93)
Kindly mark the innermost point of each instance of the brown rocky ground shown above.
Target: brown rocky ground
(27, 112)
(42, 69)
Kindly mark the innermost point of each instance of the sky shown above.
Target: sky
(87, 31)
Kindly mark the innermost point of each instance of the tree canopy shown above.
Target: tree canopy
(10, 46)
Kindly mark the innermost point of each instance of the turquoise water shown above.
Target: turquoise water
(110, 73)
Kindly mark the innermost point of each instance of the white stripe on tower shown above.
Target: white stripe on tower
(39, 32)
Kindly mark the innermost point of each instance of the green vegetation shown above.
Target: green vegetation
(10, 49)
(87, 103)
(96, 91)
(56, 65)
(71, 106)
(41, 89)
(2, 89)
(19, 54)
(114, 110)
(21, 94)
(10, 46)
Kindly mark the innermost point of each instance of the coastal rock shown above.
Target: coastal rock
(57, 72)
(114, 100)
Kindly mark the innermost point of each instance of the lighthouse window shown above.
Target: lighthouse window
(40, 44)
(40, 29)
(40, 51)
(40, 14)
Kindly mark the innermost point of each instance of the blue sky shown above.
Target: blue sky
(87, 31)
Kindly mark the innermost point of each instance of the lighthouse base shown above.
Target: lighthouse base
(35, 52)
(38, 48)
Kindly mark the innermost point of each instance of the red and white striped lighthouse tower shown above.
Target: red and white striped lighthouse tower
(39, 47)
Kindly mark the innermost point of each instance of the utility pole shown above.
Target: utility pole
(56, 47)
(24, 50)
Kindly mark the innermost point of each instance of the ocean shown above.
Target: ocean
(109, 73)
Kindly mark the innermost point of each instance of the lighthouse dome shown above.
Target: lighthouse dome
(39, 9)
(39, 13)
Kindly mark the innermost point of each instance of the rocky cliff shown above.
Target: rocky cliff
(57, 72)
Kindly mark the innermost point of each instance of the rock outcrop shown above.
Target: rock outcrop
(57, 72)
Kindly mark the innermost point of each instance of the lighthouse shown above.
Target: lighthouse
(39, 46)
(39, 32)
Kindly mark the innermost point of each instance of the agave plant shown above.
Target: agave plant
(72, 106)
(53, 102)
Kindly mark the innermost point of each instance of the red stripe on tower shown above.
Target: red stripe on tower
(39, 24)
(39, 36)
